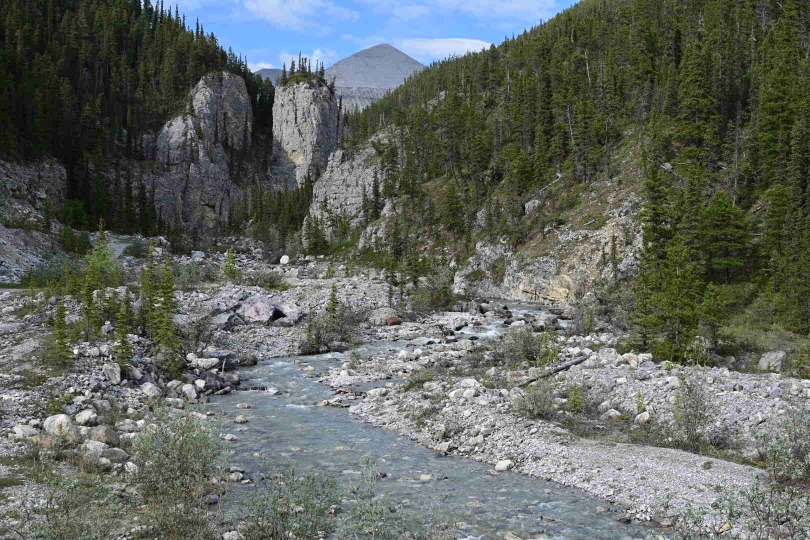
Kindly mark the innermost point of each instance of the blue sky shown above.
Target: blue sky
(270, 32)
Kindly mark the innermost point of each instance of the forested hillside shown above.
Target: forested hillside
(714, 93)
(83, 80)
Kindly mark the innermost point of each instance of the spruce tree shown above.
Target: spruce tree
(676, 300)
(724, 238)
(62, 353)
(122, 350)
(149, 293)
(230, 269)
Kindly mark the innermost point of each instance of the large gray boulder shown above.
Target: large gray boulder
(306, 129)
(772, 361)
(197, 149)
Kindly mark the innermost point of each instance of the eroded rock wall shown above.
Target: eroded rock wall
(339, 190)
(306, 124)
(198, 150)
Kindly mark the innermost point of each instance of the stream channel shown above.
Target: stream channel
(285, 424)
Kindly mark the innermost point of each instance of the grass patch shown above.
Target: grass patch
(10, 481)
(418, 378)
(12, 286)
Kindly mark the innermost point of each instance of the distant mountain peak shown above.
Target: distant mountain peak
(366, 75)
(381, 66)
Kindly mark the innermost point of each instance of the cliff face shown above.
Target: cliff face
(197, 150)
(358, 98)
(339, 190)
(305, 131)
(24, 188)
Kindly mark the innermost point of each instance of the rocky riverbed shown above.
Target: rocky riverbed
(461, 410)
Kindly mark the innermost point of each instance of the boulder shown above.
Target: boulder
(21, 432)
(189, 391)
(113, 372)
(285, 259)
(504, 465)
(116, 455)
(58, 424)
(104, 434)
(772, 361)
(151, 389)
(92, 450)
(226, 321)
(205, 363)
(257, 309)
(642, 418)
(87, 417)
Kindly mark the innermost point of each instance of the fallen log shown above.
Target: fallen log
(555, 370)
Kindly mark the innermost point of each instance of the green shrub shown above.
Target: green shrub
(434, 294)
(76, 244)
(417, 378)
(287, 504)
(576, 399)
(265, 280)
(370, 517)
(521, 345)
(537, 401)
(337, 324)
(690, 416)
(178, 456)
(787, 448)
(138, 249)
(60, 272)
(191, 276)
(230, 269)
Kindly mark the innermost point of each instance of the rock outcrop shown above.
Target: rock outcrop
(339, 190)
(567, 272)
(198, 149)
(306, 130)
(25, 187)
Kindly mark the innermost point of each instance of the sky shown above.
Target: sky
(271, 32)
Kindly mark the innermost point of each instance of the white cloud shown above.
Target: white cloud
(256, 66)
(327, 56)
(300, 14)
(426, 49)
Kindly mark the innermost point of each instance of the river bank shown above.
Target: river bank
(465, 409)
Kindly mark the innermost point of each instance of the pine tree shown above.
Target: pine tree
(713, 311)
(122, 350)
(149, 293)
(724, 237)
(61, 342)
(333, 306)
(230, 269)
(676, 301)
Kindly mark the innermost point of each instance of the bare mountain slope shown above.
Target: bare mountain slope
(365, 76)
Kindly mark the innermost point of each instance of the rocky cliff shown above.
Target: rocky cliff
(25, 187)
(339, 190)
(197, 150)
(306, 130)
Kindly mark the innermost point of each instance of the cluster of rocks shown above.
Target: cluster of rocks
(475, 416)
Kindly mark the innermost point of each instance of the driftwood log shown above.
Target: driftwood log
(555, 370)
